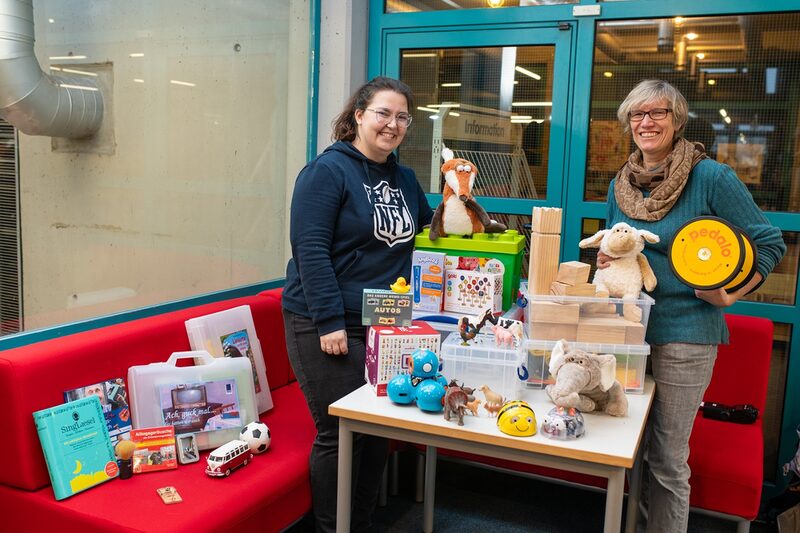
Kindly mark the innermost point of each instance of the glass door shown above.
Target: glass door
(495, 97)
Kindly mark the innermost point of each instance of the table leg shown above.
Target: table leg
(634, 493)
(344, 477)
(616, 488)
(430, 489)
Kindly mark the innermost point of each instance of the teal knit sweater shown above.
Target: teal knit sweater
(713, 189)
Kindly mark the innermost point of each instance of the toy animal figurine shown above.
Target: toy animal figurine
(494, 401)
(469, 331)
(629, 269)
(455, 402)
(473, 405)
(507, 334)
(585, 381)
(459, 213)
(400, 286)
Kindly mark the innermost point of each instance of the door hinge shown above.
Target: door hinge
(564, 26)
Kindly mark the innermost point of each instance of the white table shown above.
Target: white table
(609, 447)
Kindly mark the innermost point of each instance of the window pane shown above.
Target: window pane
(410, 6)
(464, 101)
(739, 75)
(780, 286)
(187, 193)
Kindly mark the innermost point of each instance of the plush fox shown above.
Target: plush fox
(459, 213)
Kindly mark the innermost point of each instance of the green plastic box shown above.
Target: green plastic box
(507, 247)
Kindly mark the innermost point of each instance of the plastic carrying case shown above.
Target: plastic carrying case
(212, 399)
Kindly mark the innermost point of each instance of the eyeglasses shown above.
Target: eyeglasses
(655, 114)
(384, 117)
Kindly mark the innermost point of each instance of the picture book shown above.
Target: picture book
(155, 449)
(113, 395)
(200, 406)
(237, 344)
(76, 445)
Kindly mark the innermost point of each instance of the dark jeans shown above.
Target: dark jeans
(324, 379)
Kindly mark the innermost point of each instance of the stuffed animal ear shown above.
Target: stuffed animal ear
(594, 240)
(608, 370)
(557, 356)
(652, 238)
(447, 154)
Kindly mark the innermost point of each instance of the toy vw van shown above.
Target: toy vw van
(227, 457)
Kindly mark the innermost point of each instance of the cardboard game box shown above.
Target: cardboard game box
(427, 280)
(472, 292)
(385, 308)
(389, 351)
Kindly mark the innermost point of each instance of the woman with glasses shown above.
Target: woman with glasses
(355, 212)
(667, 181)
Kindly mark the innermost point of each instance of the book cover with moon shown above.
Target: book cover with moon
(76, 446)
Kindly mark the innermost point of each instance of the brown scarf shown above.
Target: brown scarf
(667, 181)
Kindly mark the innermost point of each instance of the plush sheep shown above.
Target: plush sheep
(629, 270)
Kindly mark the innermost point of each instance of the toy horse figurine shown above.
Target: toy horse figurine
(459, 213)
(469, 331)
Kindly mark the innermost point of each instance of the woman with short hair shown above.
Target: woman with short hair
(667, 181)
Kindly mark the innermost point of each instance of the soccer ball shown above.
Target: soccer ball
(256, 435)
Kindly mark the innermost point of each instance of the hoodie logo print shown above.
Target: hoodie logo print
(391, 219)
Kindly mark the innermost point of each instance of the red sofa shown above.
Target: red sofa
(268, 495)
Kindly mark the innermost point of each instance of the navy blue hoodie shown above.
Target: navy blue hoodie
(353, 223)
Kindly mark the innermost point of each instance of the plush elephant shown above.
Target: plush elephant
(585, 381)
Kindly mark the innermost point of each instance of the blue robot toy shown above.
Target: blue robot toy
(424, 385)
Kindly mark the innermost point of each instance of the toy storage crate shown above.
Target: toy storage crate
(507, 247)
(585, 319)
(631, 362)
(481, 363)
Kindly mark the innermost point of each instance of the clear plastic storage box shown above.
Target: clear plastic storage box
(587, 319)
(631, 362)
(482, 362)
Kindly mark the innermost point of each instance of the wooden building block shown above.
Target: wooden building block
(634, 332)
(573, 272)
(546, 331)
(582, 289)
(602, 330)
(546, 220)
(552, 312)
(543, 265)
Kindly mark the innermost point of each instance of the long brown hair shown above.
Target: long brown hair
(344, 125)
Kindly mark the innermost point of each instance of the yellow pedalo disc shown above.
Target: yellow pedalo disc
(707, 253)
(748, 269)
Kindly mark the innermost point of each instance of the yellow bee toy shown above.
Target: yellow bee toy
(516, 418)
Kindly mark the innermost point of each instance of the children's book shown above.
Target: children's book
(113, 395)
(155, 449)
(76, 445)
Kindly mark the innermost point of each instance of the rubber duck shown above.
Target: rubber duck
(400, 286)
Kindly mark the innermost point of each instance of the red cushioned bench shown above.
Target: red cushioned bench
(268, 495)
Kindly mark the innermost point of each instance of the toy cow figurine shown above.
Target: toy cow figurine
(459, 213)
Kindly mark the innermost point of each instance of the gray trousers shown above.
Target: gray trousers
(324, 379)
(682, 373)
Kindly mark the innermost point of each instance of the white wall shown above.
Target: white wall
(194, 197)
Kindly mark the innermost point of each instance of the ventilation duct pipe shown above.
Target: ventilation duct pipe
(35, 102)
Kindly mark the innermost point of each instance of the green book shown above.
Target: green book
(76, 446)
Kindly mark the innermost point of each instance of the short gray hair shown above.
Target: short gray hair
(648, 91)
